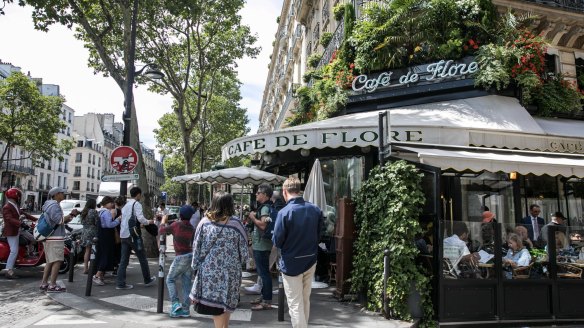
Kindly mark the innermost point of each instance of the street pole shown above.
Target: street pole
(129, 94)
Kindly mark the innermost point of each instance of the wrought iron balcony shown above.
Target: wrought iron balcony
(284, 108)
(575, 5)
(17, 168)
(333, 45)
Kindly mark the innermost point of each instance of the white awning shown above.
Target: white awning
(446, 123)
(523, 162)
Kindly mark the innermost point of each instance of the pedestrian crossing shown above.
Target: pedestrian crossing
(149, 304)
(67, 319)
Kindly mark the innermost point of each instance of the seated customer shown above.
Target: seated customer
(517, 256)
(455, 249)
(523, 233)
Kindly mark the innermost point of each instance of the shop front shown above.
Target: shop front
(476, 153)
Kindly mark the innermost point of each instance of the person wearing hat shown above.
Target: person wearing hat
(55, 244)
(558, 221)
(182, 232)
(489, 217)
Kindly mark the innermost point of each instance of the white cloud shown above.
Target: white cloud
(58, 58)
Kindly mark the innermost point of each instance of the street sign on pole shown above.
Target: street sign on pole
(120, 177)
(124, 159)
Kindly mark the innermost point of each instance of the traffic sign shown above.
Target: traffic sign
(124, 159)
(120, 177)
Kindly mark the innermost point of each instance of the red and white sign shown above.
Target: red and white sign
(124, 159)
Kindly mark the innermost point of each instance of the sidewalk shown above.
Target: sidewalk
(138, 305)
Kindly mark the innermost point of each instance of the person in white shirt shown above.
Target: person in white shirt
(196, 218)
(455, 249)
(133, 243)
(161, 212)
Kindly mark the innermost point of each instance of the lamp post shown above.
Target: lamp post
(152, 72)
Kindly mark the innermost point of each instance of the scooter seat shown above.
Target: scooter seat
(4, 239)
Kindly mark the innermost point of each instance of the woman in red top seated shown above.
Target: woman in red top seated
(12, 213)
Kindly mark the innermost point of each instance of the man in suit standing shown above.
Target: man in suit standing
(533, 223)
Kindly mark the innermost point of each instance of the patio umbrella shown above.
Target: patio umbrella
(314, 193)
(235, 175)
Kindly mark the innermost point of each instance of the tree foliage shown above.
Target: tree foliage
(388, 207)
(226, 120)
(30, 120)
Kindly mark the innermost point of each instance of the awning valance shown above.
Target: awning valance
(477, 160)
(447, 122)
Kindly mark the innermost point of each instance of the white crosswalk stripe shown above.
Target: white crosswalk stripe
(67, 319)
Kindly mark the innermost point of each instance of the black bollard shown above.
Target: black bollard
(92, 267)
(281, 297)
(161, 260)
(72, 258)
(385, 277)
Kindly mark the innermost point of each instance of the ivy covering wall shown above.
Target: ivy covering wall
(388, 206)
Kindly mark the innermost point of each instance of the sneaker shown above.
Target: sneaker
(183, 313)
(98, 281)
(255, 289)
(151, 282)
(175, 309)
(126, 286)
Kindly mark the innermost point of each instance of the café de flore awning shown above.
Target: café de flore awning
(489, 121)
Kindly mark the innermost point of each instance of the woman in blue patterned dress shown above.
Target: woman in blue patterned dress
(219, 250)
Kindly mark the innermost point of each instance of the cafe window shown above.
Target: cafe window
(487, 192)
(541, 191)
(342, 177)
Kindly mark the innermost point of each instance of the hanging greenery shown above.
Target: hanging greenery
(326, 38)
(558, 96)
(386, 217)
(328, 94)
(410, 32)
(339, 11)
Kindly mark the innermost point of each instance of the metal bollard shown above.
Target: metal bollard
(72, 259)
(385, 277)
(161, 262)
(281, 298)
(92, 267)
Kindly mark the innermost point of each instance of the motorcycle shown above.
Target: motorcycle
(34, 258)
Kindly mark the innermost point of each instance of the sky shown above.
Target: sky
(58, 58)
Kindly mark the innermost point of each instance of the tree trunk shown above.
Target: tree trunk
(150, 245)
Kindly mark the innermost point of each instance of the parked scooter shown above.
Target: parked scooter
(36, 258)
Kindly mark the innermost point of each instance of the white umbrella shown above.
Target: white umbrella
(235, 175)
(314, 193)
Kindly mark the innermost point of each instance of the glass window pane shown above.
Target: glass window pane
(468, 250)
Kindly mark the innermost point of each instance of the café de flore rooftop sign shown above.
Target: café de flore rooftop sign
(423, 74)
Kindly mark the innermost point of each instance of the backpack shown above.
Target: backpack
(43, 228)
(134, 225)
(268, 232)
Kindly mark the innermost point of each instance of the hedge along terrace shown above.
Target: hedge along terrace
(404, 33)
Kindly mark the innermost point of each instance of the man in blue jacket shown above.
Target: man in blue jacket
(296, 234)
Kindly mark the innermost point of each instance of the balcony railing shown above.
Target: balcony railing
(17, 168)
(333, 45)
(576, 5)
(282, 114)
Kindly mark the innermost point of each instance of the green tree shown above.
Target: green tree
(198, 53)
(225, 120)
(105, 27)
(30, 120)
